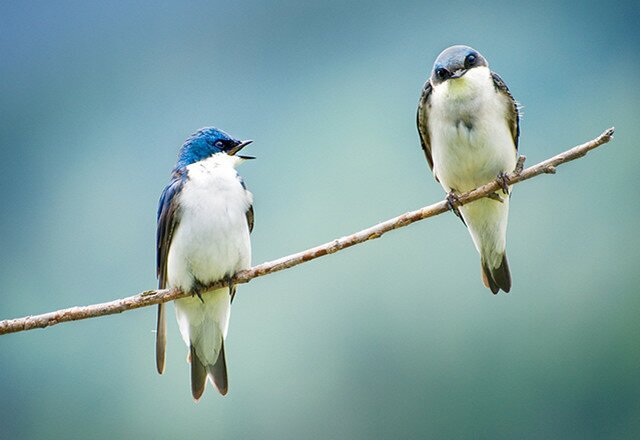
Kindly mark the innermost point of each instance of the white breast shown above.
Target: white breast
(471, 140)
(212, 238)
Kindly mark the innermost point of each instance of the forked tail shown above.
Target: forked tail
(217, 372)
(497, 278)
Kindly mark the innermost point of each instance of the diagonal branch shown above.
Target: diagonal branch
(159, 296)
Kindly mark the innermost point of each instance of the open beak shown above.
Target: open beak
(237, 148)
(458, 73)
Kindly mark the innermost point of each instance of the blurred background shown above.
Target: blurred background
(395, 338)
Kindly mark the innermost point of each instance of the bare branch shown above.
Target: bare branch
(158, 296)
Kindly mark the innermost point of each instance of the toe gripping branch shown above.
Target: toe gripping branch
(452, 203)
(232, 286)
(198, 289)
(503, 180)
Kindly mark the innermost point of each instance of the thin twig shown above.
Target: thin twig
(158, 296)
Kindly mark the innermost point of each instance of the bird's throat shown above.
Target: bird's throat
(460, 88)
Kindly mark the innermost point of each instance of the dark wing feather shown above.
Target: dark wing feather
(250, 218)
(249, 212)
(249, 215)
(423, 128)
(513, 115)
(167, 222)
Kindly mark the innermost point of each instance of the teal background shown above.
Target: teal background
(395, 338)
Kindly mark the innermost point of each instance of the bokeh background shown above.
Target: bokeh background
(396, 338)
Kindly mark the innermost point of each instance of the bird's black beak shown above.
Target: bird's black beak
(237, 148)
(458, 73)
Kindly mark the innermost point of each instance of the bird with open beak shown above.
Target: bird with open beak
(205, 217)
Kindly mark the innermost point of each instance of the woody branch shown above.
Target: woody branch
(151, 297)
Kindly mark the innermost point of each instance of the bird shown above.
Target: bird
(205, 217)
(469, 126)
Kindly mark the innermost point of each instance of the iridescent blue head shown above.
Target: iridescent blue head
(454, 62)
(205, 143)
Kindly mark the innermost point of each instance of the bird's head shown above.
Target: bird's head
(205, 143)
(454, 62)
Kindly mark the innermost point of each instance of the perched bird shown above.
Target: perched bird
(469, 128)
(205, 217)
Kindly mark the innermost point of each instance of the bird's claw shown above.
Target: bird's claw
(232, 286)
(453, 202)
(229, 280)
(503, 181)
(198, 290)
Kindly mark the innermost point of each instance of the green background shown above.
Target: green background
(395, 338)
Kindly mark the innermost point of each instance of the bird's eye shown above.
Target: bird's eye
(470, 60)
(219, 144)
(442, 73)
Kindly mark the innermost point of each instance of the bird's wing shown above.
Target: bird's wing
(513, 115)
(249, 212)
(423, 129)
(167, 222)
(249, 217)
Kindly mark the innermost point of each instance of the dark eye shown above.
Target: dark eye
(470, 60)
(442, 73)
(219, 144)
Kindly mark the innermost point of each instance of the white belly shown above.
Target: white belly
(212, 239)
(210, 243)
(471, 140)
(471, 143)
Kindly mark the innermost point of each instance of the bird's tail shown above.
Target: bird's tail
(161, 338)
(216, 372)
(496, 278)
(487, 222)
(203, 325)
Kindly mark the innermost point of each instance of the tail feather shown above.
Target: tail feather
(498, 277)
(161, 339)
(198, 375)
(218, 372)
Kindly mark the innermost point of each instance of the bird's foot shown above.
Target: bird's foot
(453, 202)
(229, 280)
(197, 290)
(496, 197)
(503, 181)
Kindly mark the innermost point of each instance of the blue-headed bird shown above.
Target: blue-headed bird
(205, 216)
